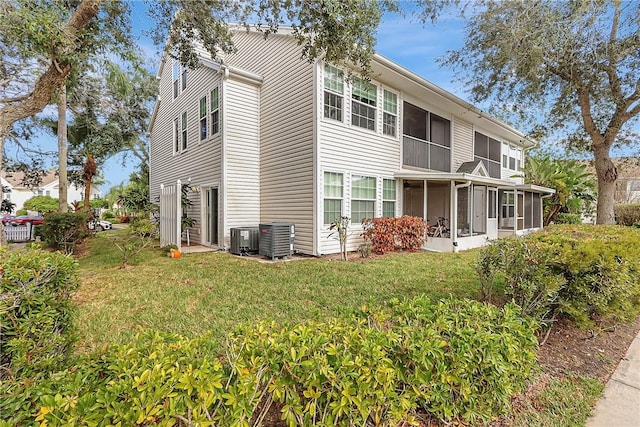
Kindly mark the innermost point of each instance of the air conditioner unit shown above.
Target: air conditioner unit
(276, 239)
(244, 240)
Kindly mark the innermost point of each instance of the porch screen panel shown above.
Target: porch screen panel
(463, 214)
(415, 152)
(537, 211)
(440, 130)
(528, 210)
(440, 158)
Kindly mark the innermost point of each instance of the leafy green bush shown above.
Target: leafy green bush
(36, 311)
(567, 218)
(42, 204)
(627, 214)
(455, 359)
(64, 230)
(20, 212)
(392, 234)
(588, 273)
(143, 226)
(108, 215)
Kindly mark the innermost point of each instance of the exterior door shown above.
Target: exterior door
(212, 215)
(479, 210)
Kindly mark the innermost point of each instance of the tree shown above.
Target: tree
(573, 66)
(574, 185)
(41, 204)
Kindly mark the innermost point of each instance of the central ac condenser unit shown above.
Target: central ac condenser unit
(276, 239)
(244, 240)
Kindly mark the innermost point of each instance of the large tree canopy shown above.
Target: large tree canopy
(570, 66)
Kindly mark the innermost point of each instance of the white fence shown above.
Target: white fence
(19, 233)
(171, 214)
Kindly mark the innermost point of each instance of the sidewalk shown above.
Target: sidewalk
(620, 404)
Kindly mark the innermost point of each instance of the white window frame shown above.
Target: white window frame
(333, 89)
(183, 78)
(184, 123)
(176, 135)
(176, 77)
(325, 220)
(387, 200)
(368, 200)
(363, 101)
(204, 111)
(386, 112)
(489, 161)
(215, 110)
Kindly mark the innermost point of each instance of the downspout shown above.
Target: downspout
(223, 137)
(453, 223)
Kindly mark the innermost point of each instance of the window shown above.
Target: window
(332, 196)
(176, 73)
(176, 135)
(507, 209)
(363, 104)
(363, 197)
(487, 150)
(47, 193)
(215, 112)
(40, 192)
(203, 118)
(505, 155)
(333, 92)
(184, 77)
(390, 113)
(184, 130)
(388, 197)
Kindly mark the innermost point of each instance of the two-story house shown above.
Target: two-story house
(265, 136)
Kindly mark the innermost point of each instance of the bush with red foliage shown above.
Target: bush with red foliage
(393, 234)
(124, 219)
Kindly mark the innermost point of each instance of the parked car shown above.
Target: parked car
(99, 225)
(27, 219)
(6, 220)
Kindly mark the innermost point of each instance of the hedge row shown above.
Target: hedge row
(627, 214)
(456, 359)
(393, 234)
(36, 329)
(588, 273)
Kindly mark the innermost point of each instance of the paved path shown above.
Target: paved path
(620, 405)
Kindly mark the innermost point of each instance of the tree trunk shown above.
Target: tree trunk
(607, 175)
(53, 78)
(63, 182)
(90, 169)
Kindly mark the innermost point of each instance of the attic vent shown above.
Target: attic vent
(276, 239)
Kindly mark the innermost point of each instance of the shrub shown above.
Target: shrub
(64, 230)
(454, 359)
(627, 214)
(20, 212)
(588, 273)
(567, 218)
(124, 219)
(392, 234)
(108, 215)
(35, 311)
(143, 226)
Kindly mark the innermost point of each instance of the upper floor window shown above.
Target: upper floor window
(390, 113)
(363, 197)
(333, 92)
(176, 135)
(333, 191)
(203, 118)
(388, 197)
(363, 104)
(487, 150)
(184, 77)
(184, 130)
(215, 111)
(176, 76)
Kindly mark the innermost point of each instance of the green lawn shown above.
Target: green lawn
(217, 291)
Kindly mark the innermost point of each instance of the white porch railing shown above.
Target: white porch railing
(170, 214)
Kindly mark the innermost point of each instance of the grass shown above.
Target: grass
(217, 291)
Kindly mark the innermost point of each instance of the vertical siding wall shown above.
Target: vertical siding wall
(462, 143)
(286, 130)
(242, 184)
(201, 161)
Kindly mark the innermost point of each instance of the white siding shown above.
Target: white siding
(202, 160)
(286, 130)
(462, 143)
(242, 139)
